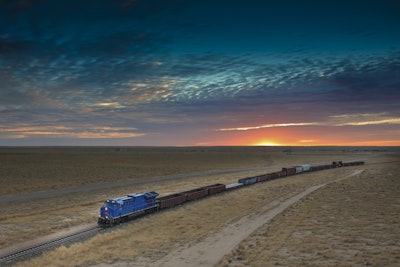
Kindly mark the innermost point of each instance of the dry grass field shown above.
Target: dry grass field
(37, 169)
(351, 222)
(354, 222)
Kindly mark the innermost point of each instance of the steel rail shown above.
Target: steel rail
(13, 256)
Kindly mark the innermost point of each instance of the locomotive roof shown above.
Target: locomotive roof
(120, 200)
(124, 198)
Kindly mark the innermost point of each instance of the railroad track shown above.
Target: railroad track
(11, 257)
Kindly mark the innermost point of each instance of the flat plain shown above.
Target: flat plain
(351, 222)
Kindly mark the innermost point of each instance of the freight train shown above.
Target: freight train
(117, 210)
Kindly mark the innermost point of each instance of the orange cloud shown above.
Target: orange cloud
(86, 131)
(269, 126)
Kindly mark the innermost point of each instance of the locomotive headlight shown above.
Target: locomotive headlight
(106, 209)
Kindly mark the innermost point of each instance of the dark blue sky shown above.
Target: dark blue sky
(179, 72)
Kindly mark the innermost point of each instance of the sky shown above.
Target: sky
(199, 73)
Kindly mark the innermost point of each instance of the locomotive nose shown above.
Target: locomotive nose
(103, 211)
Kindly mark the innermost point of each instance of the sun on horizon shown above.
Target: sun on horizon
(267, 143)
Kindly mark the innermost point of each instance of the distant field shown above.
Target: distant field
(35, 169)
(25, 170)
(193, 222)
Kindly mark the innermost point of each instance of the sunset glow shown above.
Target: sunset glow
(267, 143)
(199, 73)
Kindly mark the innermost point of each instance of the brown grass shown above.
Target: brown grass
(161, 233)
(353, 222)
(154, 236)
(36, 169)
(32, 169)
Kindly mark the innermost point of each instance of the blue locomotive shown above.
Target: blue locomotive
(117, 210)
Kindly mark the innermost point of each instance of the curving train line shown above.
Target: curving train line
(118, 210)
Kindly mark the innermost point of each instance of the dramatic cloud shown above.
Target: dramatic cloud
(152, 72)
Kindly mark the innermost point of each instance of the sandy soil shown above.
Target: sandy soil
(187, 233)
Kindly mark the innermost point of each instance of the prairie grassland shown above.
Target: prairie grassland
(35, 169)
(154, 236)
(24, 221)
(148, 239)
(24, 170)
(353, 222)
(31, 169)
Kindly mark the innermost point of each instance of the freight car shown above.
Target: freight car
(289, 171)
(215, 189)
(272, 176)
(233, 186)
(204, 191)
(117, 210)
(196, 193)
(337, 164)
(354, 163)
(301, 168)
(320, 167)
(173, 200)
(248, 180)
(169, 201)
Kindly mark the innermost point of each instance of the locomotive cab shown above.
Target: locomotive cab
(111, 209)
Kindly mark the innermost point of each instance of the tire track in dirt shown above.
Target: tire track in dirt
(213, 248)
